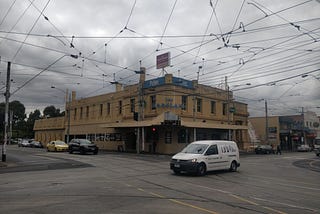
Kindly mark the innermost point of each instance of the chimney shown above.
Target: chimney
(142, 74)
(73, 96)
(118, 87)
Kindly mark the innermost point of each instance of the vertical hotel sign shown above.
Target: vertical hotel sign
(163, 60)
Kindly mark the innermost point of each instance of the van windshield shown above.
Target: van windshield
(195, 148)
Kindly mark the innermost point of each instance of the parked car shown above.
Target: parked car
(24, 143)
(201, 156)
(264, 149)
(57, 146)
(36, 144)
(83, 146)
(304, 148)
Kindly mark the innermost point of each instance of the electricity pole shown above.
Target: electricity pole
(7, 95)
(267, 122)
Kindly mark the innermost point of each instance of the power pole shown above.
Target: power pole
(6, 128)
(68, 114)
(267, 122)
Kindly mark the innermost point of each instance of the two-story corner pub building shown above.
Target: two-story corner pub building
(160, 115)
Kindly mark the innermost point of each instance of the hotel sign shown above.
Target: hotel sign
(163, 60)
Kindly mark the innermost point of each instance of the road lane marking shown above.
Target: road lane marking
(192, 206)
(243, 199)
(176, 201)
(256, 204)
(238, 197)
(285, 204)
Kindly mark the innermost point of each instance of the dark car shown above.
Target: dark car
(36, 144)
(83, 146)
(264, 149)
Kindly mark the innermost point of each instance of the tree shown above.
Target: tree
(18, 117)
(51, 111)
(33, 116)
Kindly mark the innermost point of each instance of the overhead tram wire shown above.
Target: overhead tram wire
(18, 20)
(266, 65)
(236, 21)
(7, 13)
(291, 23)
(209, 22)
(165, 28)
(257, 67)
(254, 30)
(264, 50)
(34, 24)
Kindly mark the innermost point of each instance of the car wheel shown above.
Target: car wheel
(95, 152)
(177, 172)
(233, 166)
(55, 149)
(82, 152)
(70, 151)
(48, 150)
(201, 170)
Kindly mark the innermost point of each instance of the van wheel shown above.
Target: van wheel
(201, 170)
(233, 166)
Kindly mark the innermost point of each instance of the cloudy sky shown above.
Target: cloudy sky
(267, 49)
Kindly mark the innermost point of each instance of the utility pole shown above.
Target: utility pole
(7, 96)
(228, 105)
(68, 114)
(267, 122)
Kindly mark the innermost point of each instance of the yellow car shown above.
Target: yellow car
(57, 146)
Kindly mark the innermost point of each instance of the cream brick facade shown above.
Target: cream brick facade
(172, 112)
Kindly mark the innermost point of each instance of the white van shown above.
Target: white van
(202, 156)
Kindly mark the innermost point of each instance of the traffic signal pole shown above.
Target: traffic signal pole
(6, 124)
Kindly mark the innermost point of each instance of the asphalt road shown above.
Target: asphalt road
(39, 182)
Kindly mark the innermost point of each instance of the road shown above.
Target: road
(42, 182)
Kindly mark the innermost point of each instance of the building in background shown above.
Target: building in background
(160, 115)
(288, 131)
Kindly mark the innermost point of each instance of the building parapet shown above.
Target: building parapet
(49, 123)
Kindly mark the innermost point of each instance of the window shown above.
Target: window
(184, 101)
(213, 107)
(81, 112)
(182, 136)
(75, 114)
(120, 107)
(168, 137)
(224, 108)
(213, 150)
(153, 102)
(87, 112)
(132, 105)
(101, 109)
(108, 108)
(199, 105)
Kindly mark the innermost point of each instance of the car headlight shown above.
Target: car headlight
(194, 160)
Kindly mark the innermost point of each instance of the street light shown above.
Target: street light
(67, 109)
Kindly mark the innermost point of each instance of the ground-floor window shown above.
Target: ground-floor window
(168, 137)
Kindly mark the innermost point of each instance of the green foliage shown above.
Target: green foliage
(51, 111)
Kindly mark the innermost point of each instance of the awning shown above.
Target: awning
(160, 119)
(208, 125)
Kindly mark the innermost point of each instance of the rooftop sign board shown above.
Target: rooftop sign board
(163, 60)
(161, 81)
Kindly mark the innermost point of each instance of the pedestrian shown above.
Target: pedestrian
(278, 150)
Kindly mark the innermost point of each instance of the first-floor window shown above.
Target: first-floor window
(153, 102)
